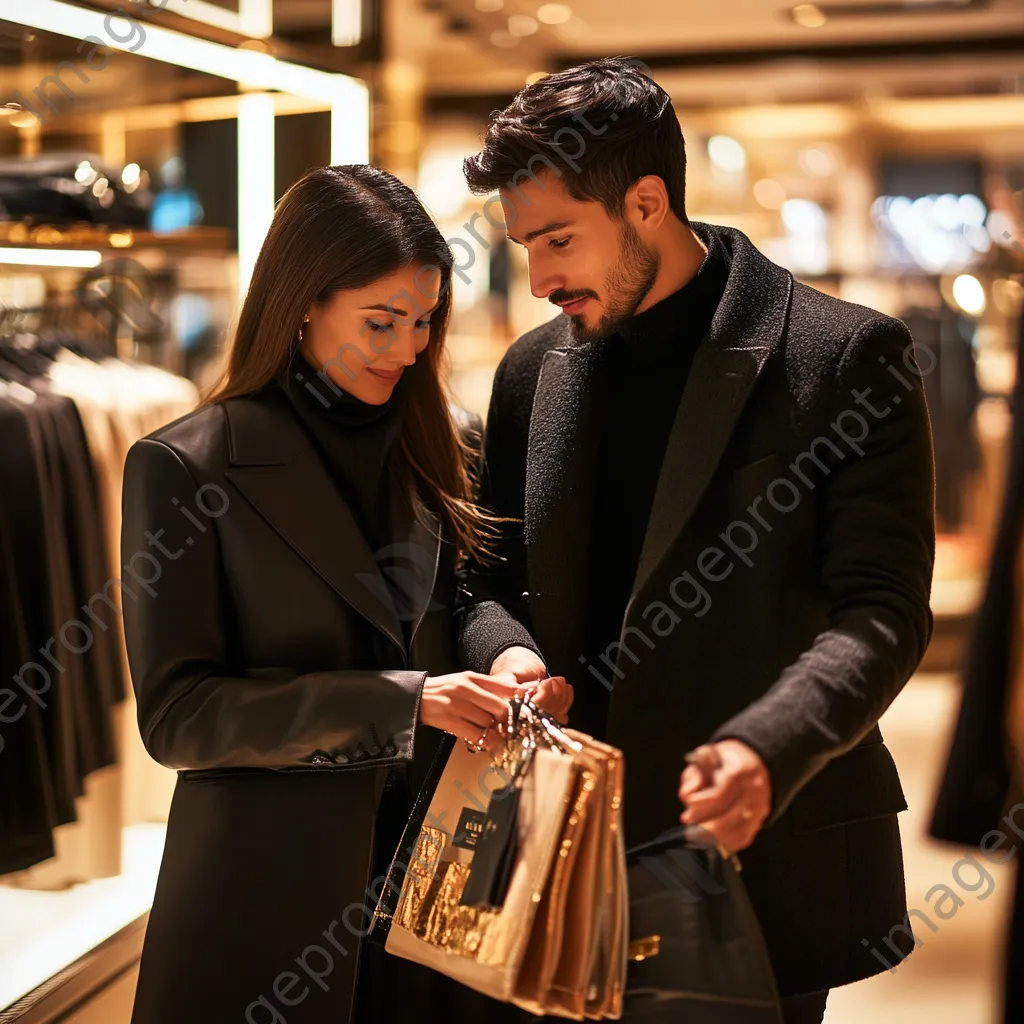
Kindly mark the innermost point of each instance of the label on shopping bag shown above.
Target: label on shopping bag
(471, 828)
(495, 851)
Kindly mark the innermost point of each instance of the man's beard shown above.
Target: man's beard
(628, 284)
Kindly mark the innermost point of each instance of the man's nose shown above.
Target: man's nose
(544, 280)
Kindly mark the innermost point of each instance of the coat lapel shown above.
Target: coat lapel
(279, 473)
(747, 326)
(564, 445)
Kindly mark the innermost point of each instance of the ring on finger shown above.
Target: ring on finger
(478, 747)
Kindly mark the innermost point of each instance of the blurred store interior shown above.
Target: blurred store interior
(876, 149)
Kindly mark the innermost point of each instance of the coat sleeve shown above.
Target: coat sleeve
(492, 610)
(877, 546)
(196, 709)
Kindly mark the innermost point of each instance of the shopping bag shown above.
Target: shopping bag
(696, 949)
(511, 879)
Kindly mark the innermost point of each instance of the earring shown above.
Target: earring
(302, 333)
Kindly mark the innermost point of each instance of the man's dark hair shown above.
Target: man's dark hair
(610, 123)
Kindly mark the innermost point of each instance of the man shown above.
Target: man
(723, 481)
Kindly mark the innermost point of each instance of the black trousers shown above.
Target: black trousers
(806, 1009)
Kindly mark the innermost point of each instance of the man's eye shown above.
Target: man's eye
(560, 243)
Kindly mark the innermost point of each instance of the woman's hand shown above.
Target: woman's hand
(554, 695)
(468, 704)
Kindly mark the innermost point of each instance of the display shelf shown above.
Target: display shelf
(44, 932)
(24, 234)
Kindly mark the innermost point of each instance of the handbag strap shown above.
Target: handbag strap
(380, 925)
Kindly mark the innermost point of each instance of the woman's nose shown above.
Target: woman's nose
(402, 350)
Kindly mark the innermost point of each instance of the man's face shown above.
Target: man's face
(596, 268)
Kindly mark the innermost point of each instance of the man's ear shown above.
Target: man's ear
(646, 203)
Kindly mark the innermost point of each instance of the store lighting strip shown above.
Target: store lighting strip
(347, 98)
(249, 68)
(255, 179)
(254, 18)
(79, 259)
(346, 22)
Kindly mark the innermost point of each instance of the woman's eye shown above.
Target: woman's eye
(377, 328)
(422, 325)
(560, 243)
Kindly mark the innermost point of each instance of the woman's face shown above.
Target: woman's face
(364, 338)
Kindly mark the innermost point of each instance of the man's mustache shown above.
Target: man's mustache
(562, 297)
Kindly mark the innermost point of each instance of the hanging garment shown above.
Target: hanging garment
(952, 390)
(67, 738)
(120, 402)
(27, 807)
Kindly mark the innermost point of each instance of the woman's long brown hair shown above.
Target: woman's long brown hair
(340, 228)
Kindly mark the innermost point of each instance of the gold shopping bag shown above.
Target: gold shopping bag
(549, 933)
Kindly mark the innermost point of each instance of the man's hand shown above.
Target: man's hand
(726, 789)
(520, 662)
(521, 665)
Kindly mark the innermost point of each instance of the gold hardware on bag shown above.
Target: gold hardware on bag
(641, 949)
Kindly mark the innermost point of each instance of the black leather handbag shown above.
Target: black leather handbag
(697, 955)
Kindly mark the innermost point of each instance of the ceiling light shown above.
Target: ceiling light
(969, 294)
(802, 217)
(522, 25)
(85, 173)
(554, 14)
(131, 174)
(809, 16)
(80, 259)
(726, 153)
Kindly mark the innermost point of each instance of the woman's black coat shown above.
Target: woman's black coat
(270, 668)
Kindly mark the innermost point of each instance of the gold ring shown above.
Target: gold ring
(478, 747)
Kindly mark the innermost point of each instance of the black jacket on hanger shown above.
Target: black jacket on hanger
(63, 656)
(44, 594)
(796, 651)
(271, 669)
(27, 805)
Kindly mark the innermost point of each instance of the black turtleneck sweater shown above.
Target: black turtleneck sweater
(353, 439)
(648, 362)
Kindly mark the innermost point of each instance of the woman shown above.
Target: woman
(290, 549)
